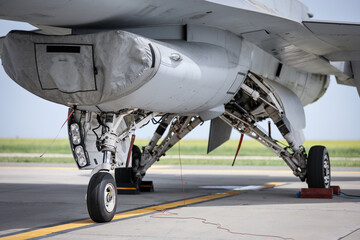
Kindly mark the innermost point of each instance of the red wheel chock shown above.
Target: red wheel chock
(320, 192)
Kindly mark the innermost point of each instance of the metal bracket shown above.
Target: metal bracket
(102, 167)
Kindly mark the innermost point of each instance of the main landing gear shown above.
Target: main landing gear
(318, 168)
(126, 180)
(257, 101)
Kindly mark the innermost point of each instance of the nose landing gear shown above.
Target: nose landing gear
(101, 197)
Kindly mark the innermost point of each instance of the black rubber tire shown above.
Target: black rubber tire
(126, 175)
(318, 168)
(95, 197)
(136, 152)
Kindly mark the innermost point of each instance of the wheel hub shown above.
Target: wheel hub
(109, 197)
(326, 171)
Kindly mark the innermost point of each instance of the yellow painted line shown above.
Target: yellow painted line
(126, 188)
(48, 230)
(133, 213)
(349, 172)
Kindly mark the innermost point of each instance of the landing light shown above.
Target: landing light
(80, 156)
(75, 133)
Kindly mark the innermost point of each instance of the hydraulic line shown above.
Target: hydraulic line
(238, 148)
(130, 150)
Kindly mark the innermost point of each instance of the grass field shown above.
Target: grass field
(348, 149)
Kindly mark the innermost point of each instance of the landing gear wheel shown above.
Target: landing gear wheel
(127, 175)
(318, 168)
(101, 197)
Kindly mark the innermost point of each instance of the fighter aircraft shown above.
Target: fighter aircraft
(119, 64)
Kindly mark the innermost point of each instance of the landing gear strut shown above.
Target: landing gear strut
(256, 101)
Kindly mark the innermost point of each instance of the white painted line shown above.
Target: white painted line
(236, 188)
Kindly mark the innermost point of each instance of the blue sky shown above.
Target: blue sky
(334, 117)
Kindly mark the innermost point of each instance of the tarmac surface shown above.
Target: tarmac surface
(45, 201)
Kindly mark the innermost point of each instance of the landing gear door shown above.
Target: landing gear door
(294, 110)
(220, 132)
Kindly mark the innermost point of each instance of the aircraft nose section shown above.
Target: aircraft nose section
(81, 70)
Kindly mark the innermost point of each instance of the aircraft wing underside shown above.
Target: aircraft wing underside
(345, 39)
(311, 45)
